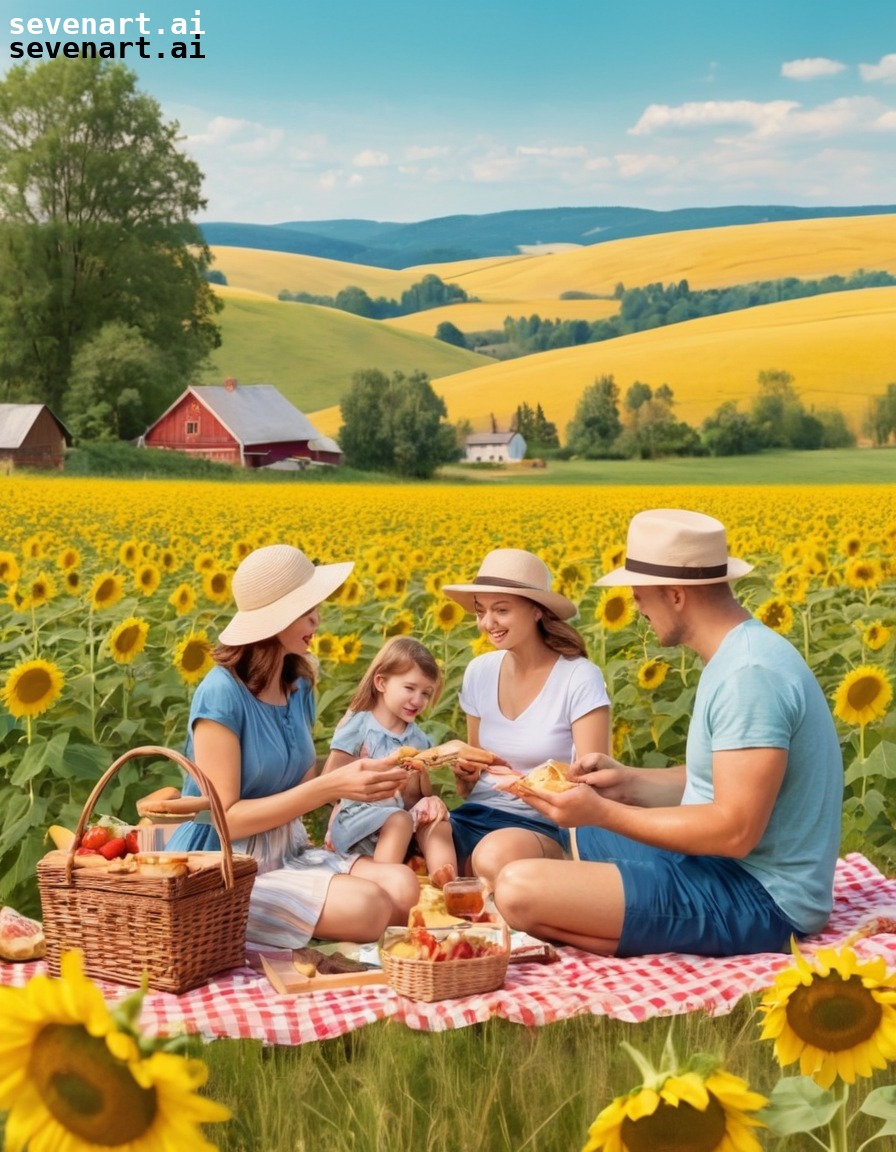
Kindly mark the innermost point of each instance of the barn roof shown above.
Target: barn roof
(491, 437)
(16, 421)
(256, 413)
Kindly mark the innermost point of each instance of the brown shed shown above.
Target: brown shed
(250, 426)
(31, 437)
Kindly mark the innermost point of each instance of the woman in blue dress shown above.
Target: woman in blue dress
(250, 732)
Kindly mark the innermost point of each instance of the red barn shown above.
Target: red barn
(250, 427)
(31, 437)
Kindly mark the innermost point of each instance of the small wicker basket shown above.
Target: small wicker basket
(178, 930)
(445, 979)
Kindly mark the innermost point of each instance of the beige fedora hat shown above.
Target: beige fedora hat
(674, 546)
(519, 573)
(274, 586)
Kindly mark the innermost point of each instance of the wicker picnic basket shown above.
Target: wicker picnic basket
(444, 979)
(180, 930)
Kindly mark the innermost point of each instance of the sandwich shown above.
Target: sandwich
(546, 779)
(445, 756)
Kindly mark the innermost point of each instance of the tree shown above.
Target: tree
(729, 432)
(596, 424)
(451, 334)
(396, 425)
(651, 429)
(880, 423)
(96, 201)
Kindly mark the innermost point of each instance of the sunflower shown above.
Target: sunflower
(72, 1078)
(864, 573)
(239, 550)
(147, 578)
(326, 646)
(612, 557)
(351, 649)
(448, 615)
(193, 657)
(129, 554)
(851, 545)
(68, 558)
(836, 1014)
(33, 548)
(32, 687)
(204, 562)
(622, 730)
(182, 599)
(385, 585)
(168, 560)
(72, 581)
(128, 639)
(863, 695)
(651, 674)
(216, 585)
(776, 614)
(685, 1111)
(433, 583)
(42, 589)
(18, 599)
(794, 584)
(349, 593)
(106, 590)
(876, 635)
(481, 644)
(615, 609)
(9, 568)
(402, 625)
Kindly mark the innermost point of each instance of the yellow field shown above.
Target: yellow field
(480, 316)
(839, 349)
(706, 258)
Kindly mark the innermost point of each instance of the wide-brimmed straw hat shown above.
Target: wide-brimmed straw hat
(673, 546)
(274, 586)
(516, 572)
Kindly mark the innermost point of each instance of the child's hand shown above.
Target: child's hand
(429, 810)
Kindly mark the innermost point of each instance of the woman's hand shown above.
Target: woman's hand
(368, 780)
(602, 772)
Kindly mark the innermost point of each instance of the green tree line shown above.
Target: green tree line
(430, 292)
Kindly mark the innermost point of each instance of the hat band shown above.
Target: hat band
(643, 568)
(501, 582)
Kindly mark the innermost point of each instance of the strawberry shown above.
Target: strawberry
(95, 837)
(113, 848)
(82, 851)
(132, 841)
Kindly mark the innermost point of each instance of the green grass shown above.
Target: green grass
(494, 1087)
(310, 353)
(832, 466)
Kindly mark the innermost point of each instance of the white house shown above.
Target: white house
(494, 447)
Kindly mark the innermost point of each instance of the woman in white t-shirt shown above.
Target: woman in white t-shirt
(536, 697)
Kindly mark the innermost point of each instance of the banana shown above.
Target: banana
(61, 837)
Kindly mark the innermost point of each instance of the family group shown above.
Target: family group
(731, 852)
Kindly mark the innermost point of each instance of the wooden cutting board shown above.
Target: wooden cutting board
(288, 981)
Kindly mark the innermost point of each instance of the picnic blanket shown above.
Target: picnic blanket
(242, 1003)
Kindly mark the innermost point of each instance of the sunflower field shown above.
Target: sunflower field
(112, 594)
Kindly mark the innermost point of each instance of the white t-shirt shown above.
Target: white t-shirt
(543, 731)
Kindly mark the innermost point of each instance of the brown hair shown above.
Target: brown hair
(255, 663)
(560, 636)
(398, 655)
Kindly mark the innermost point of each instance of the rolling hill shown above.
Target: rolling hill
(310, 353)
(391, 245)
(839, 349)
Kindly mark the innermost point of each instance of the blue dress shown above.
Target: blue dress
(277, 754)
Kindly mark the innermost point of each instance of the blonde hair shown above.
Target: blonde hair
(398, 655)
(255, 663)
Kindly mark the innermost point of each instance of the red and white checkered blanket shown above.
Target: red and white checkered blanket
(243, 1003)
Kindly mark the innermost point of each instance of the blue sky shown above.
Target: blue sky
(404, 110)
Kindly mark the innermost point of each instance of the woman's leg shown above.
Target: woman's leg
(505, 845)
(398, 882)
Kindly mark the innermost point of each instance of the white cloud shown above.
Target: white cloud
(570, 152)
(884, 70)
(631, 165)
(811, 67)
(712, 113)
(886, 122)
(243, 137)
(431, 152)
(370, 158)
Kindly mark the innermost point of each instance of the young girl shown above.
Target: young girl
(402, 680)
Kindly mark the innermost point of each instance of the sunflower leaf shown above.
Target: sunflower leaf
(882, 1103)
(37, 756)
(797, 1104)
(881, 761)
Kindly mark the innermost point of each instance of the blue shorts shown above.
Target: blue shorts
(708, 905)
(471, 821)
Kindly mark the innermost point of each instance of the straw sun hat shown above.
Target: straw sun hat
(673, 546)
(274, 586)
(511, 570)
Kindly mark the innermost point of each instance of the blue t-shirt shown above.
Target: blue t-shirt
(363, 735)
(276, 747)
(757, 692)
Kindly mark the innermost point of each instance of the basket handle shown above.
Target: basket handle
(219, 820)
